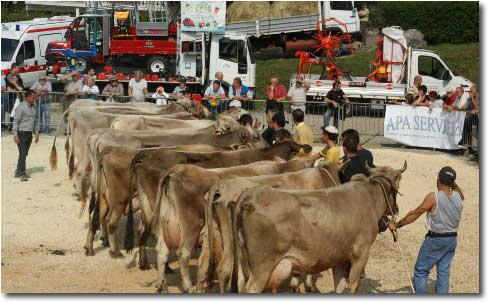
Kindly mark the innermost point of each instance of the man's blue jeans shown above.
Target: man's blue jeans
(327, 114)
(45, 116)
(434, 251)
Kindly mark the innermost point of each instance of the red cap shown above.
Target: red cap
(196, 97)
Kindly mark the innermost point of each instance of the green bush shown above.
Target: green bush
(440, 22)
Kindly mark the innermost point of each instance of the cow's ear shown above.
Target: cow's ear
(306, 148)
(279, 160)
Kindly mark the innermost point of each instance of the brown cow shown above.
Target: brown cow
(306, 232)
(100, 139)
(180, 209)
(224, 192)
(149, 164)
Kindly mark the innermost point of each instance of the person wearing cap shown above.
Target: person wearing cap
(277, 122)
(304, 134)
(331, 152)
(449, 98)
(443, 210)
(215, 95)
(235, 111)
(113, 89)
(42, 87)
(160, 96)
(297, 94)
(72, 88)
(334, 99)
(138, 88)
(178, 91)
(241, 93)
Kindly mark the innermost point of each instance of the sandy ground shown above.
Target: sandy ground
(42, 236)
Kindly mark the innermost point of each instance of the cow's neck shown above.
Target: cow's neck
(383, 199)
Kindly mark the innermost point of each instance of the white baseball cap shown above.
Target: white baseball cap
(235, 103)
(330, 129)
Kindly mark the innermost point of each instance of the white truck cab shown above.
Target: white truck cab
(230, 53)
(25, 43)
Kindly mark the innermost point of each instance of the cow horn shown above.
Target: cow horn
(404, 167)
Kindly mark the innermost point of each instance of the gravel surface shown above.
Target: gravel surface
(43, 238)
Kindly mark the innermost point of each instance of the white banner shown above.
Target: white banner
(417, 126)
(206, 16)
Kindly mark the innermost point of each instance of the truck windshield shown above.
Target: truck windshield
(341, 5)
(8, 48)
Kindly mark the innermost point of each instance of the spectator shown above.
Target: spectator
(354, 164)
(72, 88)
(138, 88)
(14, 84)
(417, 82)
(472, 109)
(25, 124)
(421, 99)
(240, 93)
(275, 95)
(461, 99)
(335, 98)
(177, 92)
(219, 76)
(434, 100)
(297, 95)
(4, 101)
(91, 74)
(90, 90)
(408, 100)
(245, 120)
(304, 134)
(449, 98)
(113, 89)
(364, 154)
(215, 94)
(160, 96)
(443, 209)
(42, 88)
(330, 153)
(235, 110)
(277, 122)
(363, 20)
(282, 134)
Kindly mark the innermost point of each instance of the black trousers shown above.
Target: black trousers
(274, 105)
(25, 140)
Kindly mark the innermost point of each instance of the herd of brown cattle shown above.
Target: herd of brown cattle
(260, 214)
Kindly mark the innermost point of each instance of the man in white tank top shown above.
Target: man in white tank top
(443, 209)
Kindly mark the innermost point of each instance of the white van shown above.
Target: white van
(25, 43)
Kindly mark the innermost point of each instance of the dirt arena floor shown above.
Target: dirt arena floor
(43, 238)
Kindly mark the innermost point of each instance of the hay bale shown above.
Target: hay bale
(248, 11)
(258, 10)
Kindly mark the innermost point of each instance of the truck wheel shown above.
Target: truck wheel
(156, 64)
(83, 64)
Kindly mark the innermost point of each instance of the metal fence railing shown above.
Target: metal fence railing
(366, 118)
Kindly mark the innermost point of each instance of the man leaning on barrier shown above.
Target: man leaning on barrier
(72, 88)
(42, 88)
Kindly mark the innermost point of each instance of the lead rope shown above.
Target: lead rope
(395, 236)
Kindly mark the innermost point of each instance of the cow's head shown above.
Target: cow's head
(288, 149)
(390, 178)
(225, 124)
(250, 137)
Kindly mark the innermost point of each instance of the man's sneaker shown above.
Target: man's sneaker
(24, 177)
(17, 175)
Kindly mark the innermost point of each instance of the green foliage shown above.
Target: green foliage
(440, 22)
(16, 12)
(461, 58)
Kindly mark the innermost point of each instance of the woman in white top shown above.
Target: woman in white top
(160, 96)
(90, 90)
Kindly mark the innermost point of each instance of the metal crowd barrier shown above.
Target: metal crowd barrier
(367, 119)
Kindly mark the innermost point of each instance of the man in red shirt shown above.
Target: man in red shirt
(450, 97)
(275, 95)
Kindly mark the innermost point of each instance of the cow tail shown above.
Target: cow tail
(210, 232)
(71, 163)
(129, 230)
(83, 197)
(53, 159)
(235, 245)
(92, 203)
(96, 215)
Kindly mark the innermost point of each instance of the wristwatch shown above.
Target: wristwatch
(398, 225)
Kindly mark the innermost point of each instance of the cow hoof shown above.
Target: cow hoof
(294, 290)
(309, 289)
(116, 255)
(162, 289)
(89, 252)
(191, 290)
